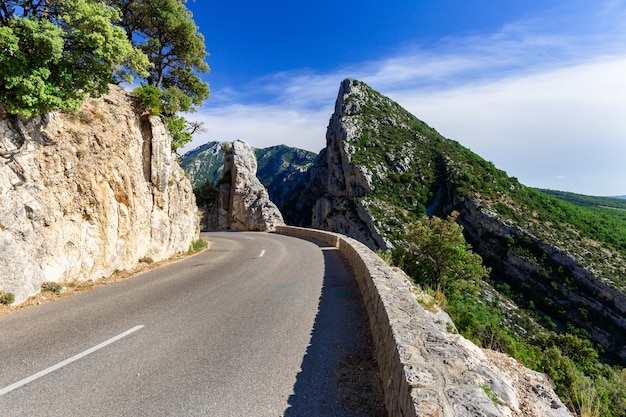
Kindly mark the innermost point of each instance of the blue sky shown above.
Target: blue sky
(536, 87)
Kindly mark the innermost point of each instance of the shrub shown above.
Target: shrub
(198, 245)
(149, 97)
(437, 256)
(6, 297)
(50, 286)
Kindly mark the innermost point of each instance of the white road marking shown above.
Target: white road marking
(262, 253)
(250, 238)
(60, 365)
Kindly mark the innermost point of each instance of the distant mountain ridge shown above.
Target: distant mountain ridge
(204, 163)
(586, 200)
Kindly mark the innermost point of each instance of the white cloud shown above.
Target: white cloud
(262, 126)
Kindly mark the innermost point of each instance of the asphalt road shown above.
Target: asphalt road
(255, 326)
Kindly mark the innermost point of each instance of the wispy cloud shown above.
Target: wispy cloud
(538, 100)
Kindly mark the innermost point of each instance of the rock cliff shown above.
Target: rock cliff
(242, 203)
(89, 193)
(575, 291)
(335, 180)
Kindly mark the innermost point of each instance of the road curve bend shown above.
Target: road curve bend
(258, 325)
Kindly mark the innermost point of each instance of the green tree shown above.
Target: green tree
(206, 194)
(56, 53)
(165, 31)
(437, 256)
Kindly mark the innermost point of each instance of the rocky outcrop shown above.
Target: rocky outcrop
(281, 169)
(243, 202)
(90, 193)
(335, 180)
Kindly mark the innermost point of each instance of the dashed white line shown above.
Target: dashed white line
(60, 365)
(262, 253)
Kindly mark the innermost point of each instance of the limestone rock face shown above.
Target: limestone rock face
(334, 178)
(243, 202)
(90, 193)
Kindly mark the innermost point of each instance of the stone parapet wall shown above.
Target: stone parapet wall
(426, 368)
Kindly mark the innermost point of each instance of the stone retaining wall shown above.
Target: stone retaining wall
(426, 369)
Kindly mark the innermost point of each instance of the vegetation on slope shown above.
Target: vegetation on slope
(204, 164)
(414, 171)
(436, 256)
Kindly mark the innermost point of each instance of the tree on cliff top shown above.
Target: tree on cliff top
(53, 54)
(165, 31)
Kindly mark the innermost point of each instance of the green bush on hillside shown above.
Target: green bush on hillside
(437, 256)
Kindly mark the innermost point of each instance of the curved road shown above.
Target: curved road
(255, 326)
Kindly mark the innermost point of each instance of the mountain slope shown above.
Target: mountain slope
(205, 163)
(383, 168)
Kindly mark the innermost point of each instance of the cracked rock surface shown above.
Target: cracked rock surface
(90, 193)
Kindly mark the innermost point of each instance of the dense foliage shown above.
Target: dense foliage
(165, 31)
(55, 54)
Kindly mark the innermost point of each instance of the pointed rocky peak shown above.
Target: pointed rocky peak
(379, 168)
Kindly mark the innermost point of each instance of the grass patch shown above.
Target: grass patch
(6, 297)
(490, 394)
(53, 287)
(198, 245)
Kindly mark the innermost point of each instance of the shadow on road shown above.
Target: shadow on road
(339, 376)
